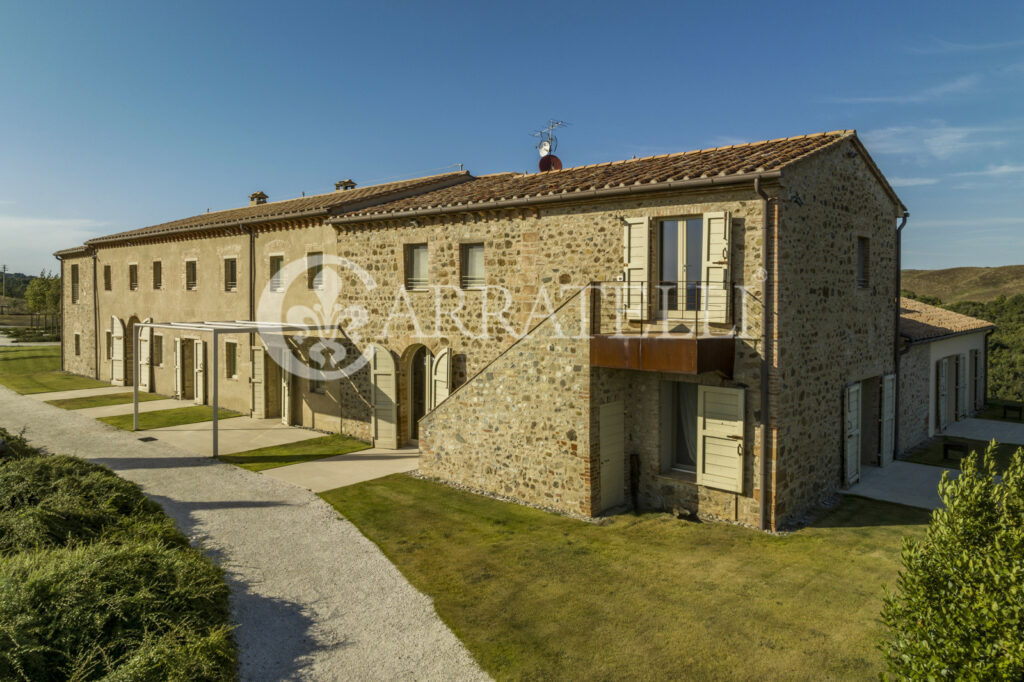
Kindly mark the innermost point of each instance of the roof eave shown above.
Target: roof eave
(562, 197)
(931, 339)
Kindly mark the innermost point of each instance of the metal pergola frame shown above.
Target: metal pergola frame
(215, 328)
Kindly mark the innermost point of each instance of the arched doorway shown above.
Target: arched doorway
(417, 362)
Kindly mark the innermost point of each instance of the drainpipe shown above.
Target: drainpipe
(62, 281)
(766, 315)
(95, 319)
(896, 353)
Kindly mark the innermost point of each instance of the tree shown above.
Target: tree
(43, 294)
(958, 612)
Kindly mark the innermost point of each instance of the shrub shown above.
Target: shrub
(14, 446)
(53, 501)
(958, 612)
(134, 611)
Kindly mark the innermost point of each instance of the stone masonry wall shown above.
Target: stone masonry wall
(521, 428)
(78, 318)
(914, 400)
(830, 332)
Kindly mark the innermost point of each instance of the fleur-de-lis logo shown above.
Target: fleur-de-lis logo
(311, 298)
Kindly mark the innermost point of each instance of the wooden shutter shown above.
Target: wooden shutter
(717, 297)
(286, 397)
(979, 380)
(720, 439)
(200, 372)
(636, 246)
(961, 386)
(385, 398)
(117, 352)
(941, 399)
(259, 395)
(145, 361)
(888, 445)
(441, 378)
(177, 368)
(851, 452)
(612, 447)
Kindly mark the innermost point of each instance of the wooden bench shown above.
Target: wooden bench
(950, 446)
(1018, 409)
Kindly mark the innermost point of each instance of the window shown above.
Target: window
(317, 384)
(315, 270)
(110, 345)
(863, 262)
(158, 350)
(78, 344)
(230, 274)
(191, 283)
(231, 359)
(106, 278)
(680, 250)
(276, 263)
(679, 425)
(471, 257)
(74, 285)
(416, 276)
(133, 276)
(158, 275)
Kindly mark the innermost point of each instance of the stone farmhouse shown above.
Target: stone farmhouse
(717, 331)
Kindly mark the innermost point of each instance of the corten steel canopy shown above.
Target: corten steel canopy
(664, 354)
(215, 328)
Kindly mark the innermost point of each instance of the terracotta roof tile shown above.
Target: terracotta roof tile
(312, 205)
(921, 322)
(756, 157)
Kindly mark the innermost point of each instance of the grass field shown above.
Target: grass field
(293, 453)
(173, 417)
(931, 453)
(965, 284)
(103, 400)
(36, 369)
(539, 596)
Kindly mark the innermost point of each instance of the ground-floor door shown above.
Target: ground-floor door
(384, 398)
(852, 433)
(611, 435)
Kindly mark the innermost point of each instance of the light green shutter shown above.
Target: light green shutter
(177, 368)
(259, 395)
(636, 245)
(888, 418)
(200, 372)
(720, 438)
(612, 448)
(979, 380)
(117, 352)
(385, 398)
(145, 359)
(441, 378)
(715, 271)
(961, 386)
(852, 433)
(942, 401)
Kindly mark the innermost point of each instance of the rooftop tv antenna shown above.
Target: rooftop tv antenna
(547, 145)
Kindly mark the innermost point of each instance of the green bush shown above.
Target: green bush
(958, 612)
(14, 446)
(54, 501)
(134, 611)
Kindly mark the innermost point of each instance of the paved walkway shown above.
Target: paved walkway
(236, 434)
(313, 598)
(126, 408)
(335, 472)
(987, 429)
(915, 485)
(79, 393)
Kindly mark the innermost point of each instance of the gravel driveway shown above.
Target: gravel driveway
(313, 598)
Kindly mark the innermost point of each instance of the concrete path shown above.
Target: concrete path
(987, 429)
(915, 485)
(126, 408)
(236, 434)
(313, 598)
(79, 393)
(336, 472)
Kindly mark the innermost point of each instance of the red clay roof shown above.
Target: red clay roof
(922, 322)
(318, 204)
(741, 159)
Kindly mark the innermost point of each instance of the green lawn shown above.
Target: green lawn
(36, 369)
(293, 453)
(173, 417)
(931, 453)
(103, 400)
(538, 596)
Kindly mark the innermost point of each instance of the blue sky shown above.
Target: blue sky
(119, 115)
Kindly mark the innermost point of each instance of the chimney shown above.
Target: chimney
(257, 198)
(344, 184)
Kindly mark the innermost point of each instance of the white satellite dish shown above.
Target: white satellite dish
(544, 147)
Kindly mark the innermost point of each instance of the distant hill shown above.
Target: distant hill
(954, 285)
